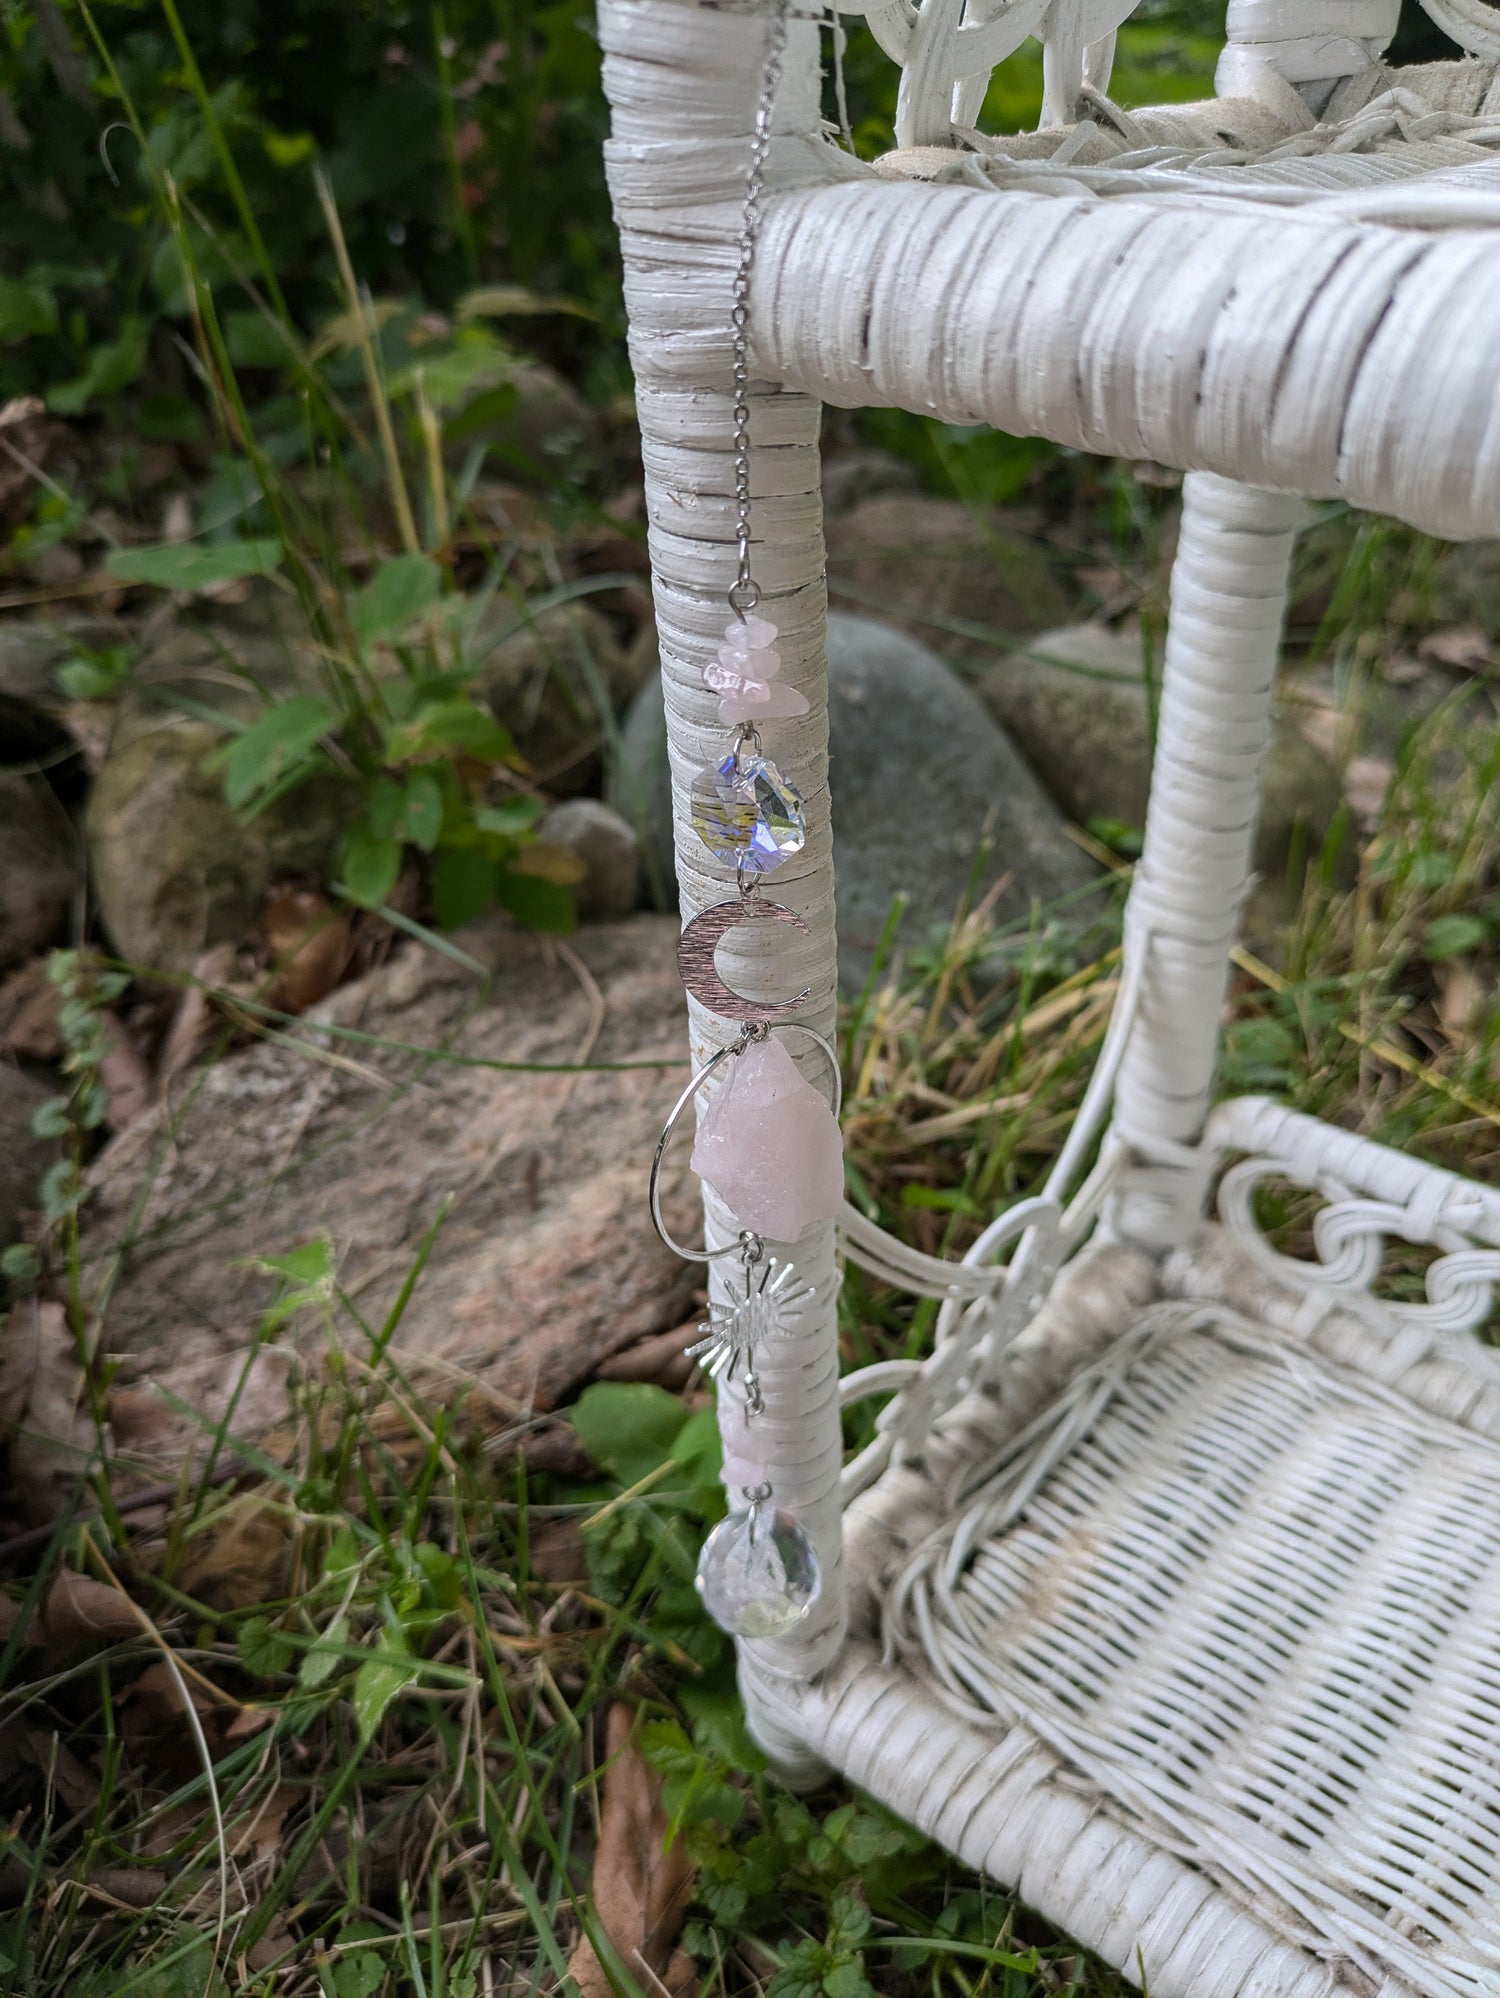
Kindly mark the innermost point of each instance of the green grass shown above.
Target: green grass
(348, 1742)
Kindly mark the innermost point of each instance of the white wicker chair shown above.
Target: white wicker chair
(1170, 1593)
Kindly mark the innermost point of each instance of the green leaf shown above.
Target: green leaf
(398, 595)
(93, 675)
(499, 301)
(422, 811)
(181, 1965)
(108, 369)
(358, 1975)
(20, 1263)
(446, 729)
(324, 1658)
(27, 306)
(51, 1119)
(263, 1650)
(310, 1262)
(515, 816)
(378, 1681)
(847, 1979)
(628, 1427)
(369, 865)
(255, 340)
(284, 736)
(1454, 936)
(538, 903)
(801, 1972)
(464, 882)
(61, 1190)
(192, 565)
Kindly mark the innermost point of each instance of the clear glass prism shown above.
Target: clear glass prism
(758, 1573)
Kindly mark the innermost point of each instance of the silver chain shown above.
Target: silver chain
(745, 593)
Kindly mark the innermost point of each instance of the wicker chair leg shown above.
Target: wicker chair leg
(1228, 604)
(677, 208)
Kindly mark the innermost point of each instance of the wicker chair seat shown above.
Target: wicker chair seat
(1254, 1596)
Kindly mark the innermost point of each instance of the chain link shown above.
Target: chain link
(745, 594)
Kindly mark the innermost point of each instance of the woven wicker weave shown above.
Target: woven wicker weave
(1170, 1590)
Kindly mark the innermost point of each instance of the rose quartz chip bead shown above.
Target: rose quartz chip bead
(769, 1146)
(744, 675)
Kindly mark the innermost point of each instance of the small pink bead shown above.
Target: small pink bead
(756, 665)
(752, 632)
(761, 700)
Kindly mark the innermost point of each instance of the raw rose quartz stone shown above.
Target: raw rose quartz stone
(747, 1445)
(744, 677)
(769, 1146)
(749, 634)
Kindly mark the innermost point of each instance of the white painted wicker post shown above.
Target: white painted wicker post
(682, 80)
(1229, 587)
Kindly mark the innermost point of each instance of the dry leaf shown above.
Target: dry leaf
(1321, 724)
(640, 1891)
(36, 1750)
(130, 1886)
(1460, 995)
(257, 1836)
(239, 1560)
(558, 864)
(308, 944)
(556, 1554)
(151, 1712)
(1465, 648)
(661, 1358)
(78, 1610)
(147, 1418)
(29, 1004)
(1367, 779)
(197, 1020)
(51, 1435)
(124, 1074)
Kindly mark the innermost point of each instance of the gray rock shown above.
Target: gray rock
(546, 1263)
(527, 416)
(1076, 702)
(606, 846)
(638, 786)
(963, 580)
(175, 869)
(557, 682)
(922, 780)
(861, 473)
(32, 649)
(920, 776)
(24, 1158)
(41, 866)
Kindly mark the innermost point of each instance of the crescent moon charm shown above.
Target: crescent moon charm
(700, 974)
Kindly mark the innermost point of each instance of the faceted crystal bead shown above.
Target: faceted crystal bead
(758, 1574)
(747, 814)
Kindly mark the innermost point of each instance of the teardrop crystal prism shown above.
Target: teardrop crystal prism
(758, 1573)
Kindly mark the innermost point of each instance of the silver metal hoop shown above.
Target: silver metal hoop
(750, 1033)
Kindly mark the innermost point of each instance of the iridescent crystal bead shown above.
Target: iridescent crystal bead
(758, 1574)
(747, 814)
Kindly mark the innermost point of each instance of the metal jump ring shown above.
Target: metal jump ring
(752, 1031)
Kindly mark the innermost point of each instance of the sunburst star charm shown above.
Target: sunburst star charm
(734, 1331)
